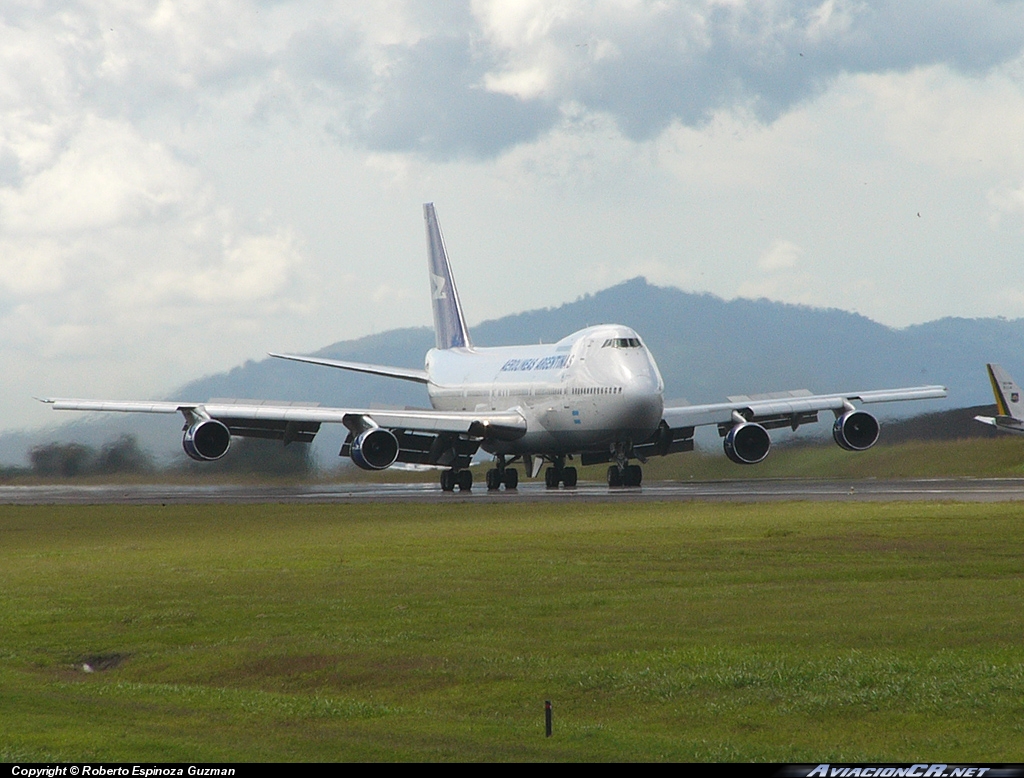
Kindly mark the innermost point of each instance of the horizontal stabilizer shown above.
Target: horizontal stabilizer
(1004, 423)
(403, 373)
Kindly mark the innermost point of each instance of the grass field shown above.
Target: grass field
(783, 632)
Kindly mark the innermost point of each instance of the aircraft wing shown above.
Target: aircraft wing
(424, 436)
(788, 409)
(744, 419)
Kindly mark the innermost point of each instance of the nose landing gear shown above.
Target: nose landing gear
(630, 475)
(622, 473)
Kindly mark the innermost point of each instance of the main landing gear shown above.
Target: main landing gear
(560, 474)
(619, 475)
(502, 475)
(463, 479)
(507, 476)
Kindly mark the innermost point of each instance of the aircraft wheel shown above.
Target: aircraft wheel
(569, 477)
(633, 476)
(493, 479)
(447, 480)
(614, 476)
(511, 478)
(551, 478)
(465, 480)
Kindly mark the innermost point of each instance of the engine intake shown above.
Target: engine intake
(855, 430)
(375, 449)
(206, 440)
(747, 444)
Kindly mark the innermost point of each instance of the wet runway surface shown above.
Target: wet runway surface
(961, 490)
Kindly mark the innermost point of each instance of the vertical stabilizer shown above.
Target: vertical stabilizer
(449, 323)
(1007, 393)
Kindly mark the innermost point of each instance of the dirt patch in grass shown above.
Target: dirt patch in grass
(98, 663)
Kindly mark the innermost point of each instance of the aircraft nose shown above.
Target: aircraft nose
(641, 385)
(642, 400)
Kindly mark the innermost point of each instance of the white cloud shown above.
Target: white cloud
(1007, 201)
(793, 288)
(783, 255)
(105, 175)
(779, 277)
(833, 18)
(32, 266)
(247, 269)
(948, 120)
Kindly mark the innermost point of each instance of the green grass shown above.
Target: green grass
(783, 632)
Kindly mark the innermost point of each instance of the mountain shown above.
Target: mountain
(707, 348)
(955, 424)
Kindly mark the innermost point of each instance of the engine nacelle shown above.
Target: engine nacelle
(206, 440)
(747, 444)
(855, 430)
(375, 449)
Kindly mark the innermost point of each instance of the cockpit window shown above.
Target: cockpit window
(622, 343)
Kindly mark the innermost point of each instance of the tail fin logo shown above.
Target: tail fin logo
(1007, 393)
(439, 287)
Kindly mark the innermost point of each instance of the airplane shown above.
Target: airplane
(594, 396)
(1008, 402)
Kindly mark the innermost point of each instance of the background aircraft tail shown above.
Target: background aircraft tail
(1007, 393)
(449, 323)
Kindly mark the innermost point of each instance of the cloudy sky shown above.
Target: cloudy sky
(186, 184)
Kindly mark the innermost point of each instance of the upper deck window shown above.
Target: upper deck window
(622, 343)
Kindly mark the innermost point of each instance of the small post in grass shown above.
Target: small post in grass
(547, 718)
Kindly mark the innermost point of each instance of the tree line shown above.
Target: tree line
(124, 456)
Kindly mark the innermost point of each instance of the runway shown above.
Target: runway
(762, 490)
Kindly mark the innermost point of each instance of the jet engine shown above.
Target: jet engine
(206, 440)
(375, 449)
(855, 430)
(747, 444)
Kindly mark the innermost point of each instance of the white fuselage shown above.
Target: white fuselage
(589, 391)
